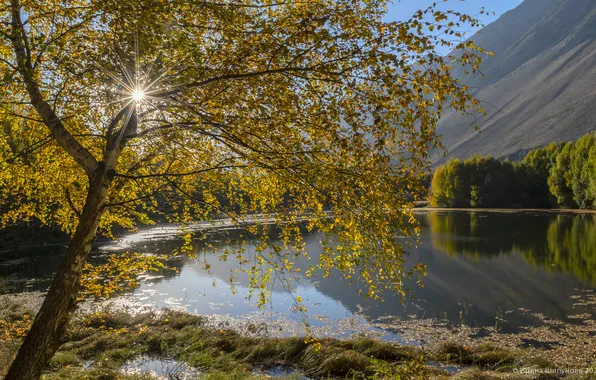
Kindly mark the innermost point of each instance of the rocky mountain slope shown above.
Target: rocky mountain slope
(539, 87)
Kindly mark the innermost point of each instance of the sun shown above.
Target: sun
(138, 95)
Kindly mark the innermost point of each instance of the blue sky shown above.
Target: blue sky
(401, 10)
(404, 9)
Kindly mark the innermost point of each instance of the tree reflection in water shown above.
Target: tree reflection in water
(563, 242)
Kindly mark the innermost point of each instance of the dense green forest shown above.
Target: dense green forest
(558, 175)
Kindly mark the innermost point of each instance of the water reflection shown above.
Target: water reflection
(563, 242)
(484, 269)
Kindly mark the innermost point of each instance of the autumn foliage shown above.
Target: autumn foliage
(127, 113)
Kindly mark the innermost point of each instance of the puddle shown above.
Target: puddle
(450, 369)
(166, 369)
(170, 369)
(280, 371)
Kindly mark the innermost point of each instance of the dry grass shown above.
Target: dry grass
(100, 343)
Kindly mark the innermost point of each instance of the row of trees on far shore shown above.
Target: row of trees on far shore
(558, 175)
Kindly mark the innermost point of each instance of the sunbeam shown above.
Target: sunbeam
(138, 95)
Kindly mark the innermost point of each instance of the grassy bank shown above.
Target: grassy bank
(99, 344)
(108, 340)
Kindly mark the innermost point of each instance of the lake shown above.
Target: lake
(500, 270)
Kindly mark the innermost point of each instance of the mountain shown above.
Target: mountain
(539, 87)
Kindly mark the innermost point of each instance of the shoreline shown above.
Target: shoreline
(554, 342)
(101, 345)
(506, 210)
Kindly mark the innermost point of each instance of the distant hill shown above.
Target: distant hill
(539, 87)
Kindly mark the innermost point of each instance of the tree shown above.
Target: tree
(589, 173)
(475, 182)
(450, 185)
(560, 177)
(491, 181)
(533, 174)
(580, 174)
(122, 112)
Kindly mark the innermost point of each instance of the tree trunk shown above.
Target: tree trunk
(49, 325)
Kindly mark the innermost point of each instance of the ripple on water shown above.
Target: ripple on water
(160, 368)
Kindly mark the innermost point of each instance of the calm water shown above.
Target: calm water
(484, 269)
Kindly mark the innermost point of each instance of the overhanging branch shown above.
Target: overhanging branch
(23, 56)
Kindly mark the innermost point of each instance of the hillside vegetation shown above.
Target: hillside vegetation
(558, 175)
